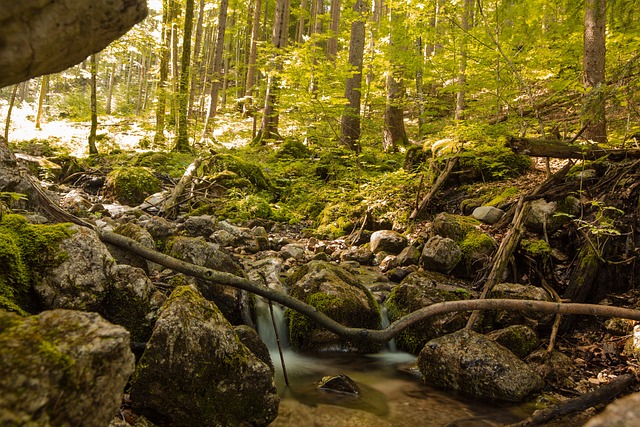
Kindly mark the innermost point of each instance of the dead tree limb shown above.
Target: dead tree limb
(563, 150)
(451, 163)
(601, 395)
(358, 333)
(170, 208)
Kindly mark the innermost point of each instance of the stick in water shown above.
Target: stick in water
(275, 329)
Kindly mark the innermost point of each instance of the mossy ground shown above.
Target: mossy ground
(26, 251)
(131, 185)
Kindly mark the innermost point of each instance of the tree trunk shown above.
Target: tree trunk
(44, 87)
(197, 58)
(94, 105)
(253, 55)
(112, 83)
(332, 43)
(182, 142)
(270, 118)
(217, 66)
(7, 123)
(300, 29)
(350, 126)
(594, 70)
(394, 131)
(161, 106)
(462, 61)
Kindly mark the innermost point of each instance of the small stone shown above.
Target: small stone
(487, 214)
(339, 384)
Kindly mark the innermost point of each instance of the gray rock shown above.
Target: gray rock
(338, 294)
(440, 254)
(61, 367)
(196, 250)
(623, 412)
(543, 214)
(361, 254)
(292, 250)
(387, 241)
(132, 302)
(77, 202)
(409, 256)
(504, 318)
(160, 229)
(475, 365)
(81, 281)
(487, 214)
(195, 371)
(199, 226)
(140, 235)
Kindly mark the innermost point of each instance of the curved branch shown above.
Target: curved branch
(358, 333)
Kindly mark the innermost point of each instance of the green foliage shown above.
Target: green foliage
(248, 170)
(164, 162)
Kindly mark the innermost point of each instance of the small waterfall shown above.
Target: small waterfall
(389, 345)
(265, 327)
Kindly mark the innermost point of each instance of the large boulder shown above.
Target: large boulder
(195, 371)
(337, 293)
(505, 318)
(473, 364)
(43, 37)
(388, 241)
(82, 280)
(421, 289)
(63, 368)
(196, 250)
(624, 412)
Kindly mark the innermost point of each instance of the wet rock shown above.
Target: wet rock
(338, 294)
(195, 371)
(122, 256)
(623, 412)
(409, 256)
(504, 318)
(81, 281)
(339, 384)
(422, 289)
(132, 302)
(520, 339)
(266, 271)
(473, 364)
(399, 273)
(61, 367)
(250, 338)
(199, 226)
(196, 250)
(387, 241)
(487, 214)
(440, 254)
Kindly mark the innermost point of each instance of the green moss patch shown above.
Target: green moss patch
(131, 185)
(26, 251)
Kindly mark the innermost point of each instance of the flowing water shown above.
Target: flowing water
(392, 391)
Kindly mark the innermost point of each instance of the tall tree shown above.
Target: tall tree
(182, 142)
(394, 130)
(332, 43)
(217, 66)
(253, 55)
(94, 104)
(594, 70)
(168, 7)
(44, 88)
(270, 117)
(350, 123)
(465, 18)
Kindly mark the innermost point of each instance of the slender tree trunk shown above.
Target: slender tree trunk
(226, 61)
(594, 69)
(44, 87)
(217, 66)
(175, 72)
(300, 29)
(332, 43)
(394, 130)
(182, 142)
(94, 105)
(251, 65)
(269, 125)
(7, 123)
(422, 121)
(161, 106)
(462, 61)
(141, 82)
(112, 83)
(350, 130)
(197, 58)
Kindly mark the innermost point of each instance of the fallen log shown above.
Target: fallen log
(563, 150)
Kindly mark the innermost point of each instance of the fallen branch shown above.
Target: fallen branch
(170, 209)
(563, 150)
(451, 163)
(359, 333)
(588, 400)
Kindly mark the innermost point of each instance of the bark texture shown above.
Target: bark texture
(44, 36)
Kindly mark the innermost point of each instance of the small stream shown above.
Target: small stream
(392, 391)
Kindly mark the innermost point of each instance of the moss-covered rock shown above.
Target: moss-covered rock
(422, 289)
(195, 371)
(520, 339)
(26, 252)
(131, 185)
(135, 232)
(338, 294)
(504, 318)
(473, 364)
(196, 250)
(242, 168)
(61, 368)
